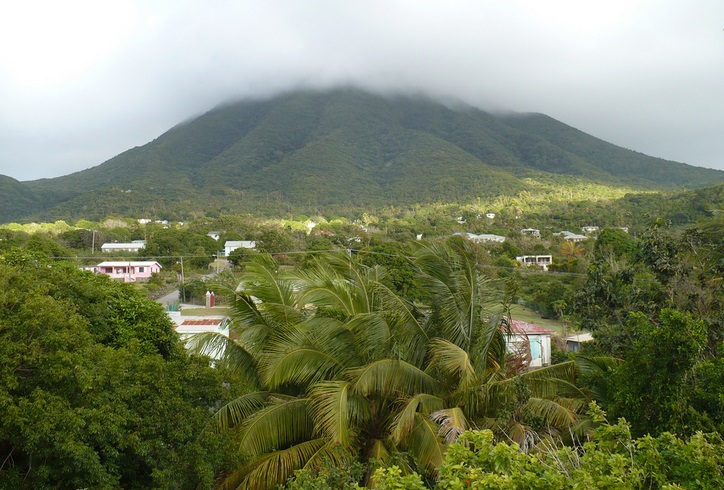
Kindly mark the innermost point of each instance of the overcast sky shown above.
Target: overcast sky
(81, 81)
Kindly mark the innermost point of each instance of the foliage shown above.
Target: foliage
(653, 388)
(660, 311)
(347, 368)
(391, 478)
(95, 389)
(611, 459)
(327, 476)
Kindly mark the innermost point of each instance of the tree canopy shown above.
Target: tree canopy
(95, 389)
(347, 369)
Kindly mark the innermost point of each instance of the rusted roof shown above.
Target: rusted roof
(202, 321)
(525, 328)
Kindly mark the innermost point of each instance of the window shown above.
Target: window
(141, 269)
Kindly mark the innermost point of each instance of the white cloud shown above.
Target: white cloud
(81, 81)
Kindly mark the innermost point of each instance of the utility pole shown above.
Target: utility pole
(183, 283)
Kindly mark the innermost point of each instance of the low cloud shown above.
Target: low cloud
(643, 75)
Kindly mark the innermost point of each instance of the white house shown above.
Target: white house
(571, 237)
(531, 341)
(530, 231)
(542, 261)
(484, 237)
(188, 326)
(490, 215)
(232, 245)
(134, 246)
(214, 234)
(126, 271)
(487, 237)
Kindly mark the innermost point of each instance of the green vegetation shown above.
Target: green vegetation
(95, 389)
(348, 370)
(365, 347)
(341, 151)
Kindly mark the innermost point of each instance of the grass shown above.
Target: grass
(520, 312)
(203, 311)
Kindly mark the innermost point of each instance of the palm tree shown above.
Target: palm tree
(346, 368)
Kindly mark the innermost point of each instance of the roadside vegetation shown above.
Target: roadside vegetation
(364, 354)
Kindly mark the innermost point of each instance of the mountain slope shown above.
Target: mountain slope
(337, 150)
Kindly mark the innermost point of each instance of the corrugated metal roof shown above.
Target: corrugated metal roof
(525, 328)
(202, 321)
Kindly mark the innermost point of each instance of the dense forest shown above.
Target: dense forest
(370, 352)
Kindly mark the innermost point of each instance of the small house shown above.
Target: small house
(484, 237)
(134, 246)
(542, 261)
(189, 326)
(571, 237)
(231, 245)
(127, 271)
(531, 341)
(574, 342)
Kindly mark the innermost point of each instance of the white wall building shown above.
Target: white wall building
(531, 341)
(134, 246)
(542, 261)
(232, 245)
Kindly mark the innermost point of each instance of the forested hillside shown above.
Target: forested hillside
(338, 151)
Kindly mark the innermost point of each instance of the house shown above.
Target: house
(573, 343)
(232, 245)
(490, 215)
(532, 342)
(590, 229)
(134, 246)
(127, 271)
(542, 261)
(485, 237)
(530, 231)
(188, 326)
(214, 234)
(571, 237)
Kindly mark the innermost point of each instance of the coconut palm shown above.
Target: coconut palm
(346, 368)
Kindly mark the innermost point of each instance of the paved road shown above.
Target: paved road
(170, 298)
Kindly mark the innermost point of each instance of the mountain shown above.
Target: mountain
(337, 150)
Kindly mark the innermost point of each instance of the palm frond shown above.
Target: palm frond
(452, 423)
(228, 353)
(425, 444)
(405, 419)
(371, 334)
(378, 452)
(297, 365)
(390, 377)
(236, 411)
(559, 412)
(453, 362)
(284, 422)
(330, 410)
(271, 469)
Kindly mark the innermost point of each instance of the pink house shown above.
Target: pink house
(127, 271)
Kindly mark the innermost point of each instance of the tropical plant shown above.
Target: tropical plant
(347, 369)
